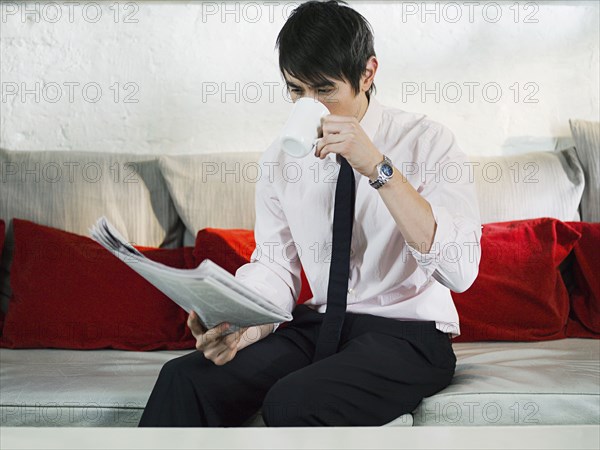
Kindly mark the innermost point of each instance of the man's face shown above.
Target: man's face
(337, 95)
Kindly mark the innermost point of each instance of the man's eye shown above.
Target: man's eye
(295, 90)
(324, 91)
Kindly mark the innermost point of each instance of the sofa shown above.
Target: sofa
(518, 362)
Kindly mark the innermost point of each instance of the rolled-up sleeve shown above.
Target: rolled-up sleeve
(453, 259)
(274, 268)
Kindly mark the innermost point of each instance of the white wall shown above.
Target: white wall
(169, 56)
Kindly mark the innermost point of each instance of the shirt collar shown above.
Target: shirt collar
(370, 121)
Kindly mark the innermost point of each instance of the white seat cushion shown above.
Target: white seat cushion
(86, 388)
(553, 382)
(79, 388)
(519, 383)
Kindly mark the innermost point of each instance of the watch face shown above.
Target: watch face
(387, 170)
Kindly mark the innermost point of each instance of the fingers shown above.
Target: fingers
(224, 357)
(223, 349)
(218, 348)
(213, 335)
(200, 332)
(331, 124)
(328, 144)
(195, 325)
(336, 118)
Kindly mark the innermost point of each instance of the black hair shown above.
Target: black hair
(325, 39)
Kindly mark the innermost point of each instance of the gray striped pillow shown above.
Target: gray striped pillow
(587, 144)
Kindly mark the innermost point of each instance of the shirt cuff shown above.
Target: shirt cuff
(430, 261)
(272, 288)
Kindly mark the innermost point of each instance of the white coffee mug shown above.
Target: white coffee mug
(301, 131)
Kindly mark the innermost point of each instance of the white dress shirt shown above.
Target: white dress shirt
(388, 278)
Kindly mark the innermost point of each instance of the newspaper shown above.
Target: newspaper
(213, 293)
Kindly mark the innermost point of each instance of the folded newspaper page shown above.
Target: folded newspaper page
(212, 292)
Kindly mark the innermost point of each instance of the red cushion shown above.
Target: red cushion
(232, 248)
(1, 246)
(70, 292)
(584, 316)
(519, 294)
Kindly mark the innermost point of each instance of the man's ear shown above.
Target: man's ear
(369, 74)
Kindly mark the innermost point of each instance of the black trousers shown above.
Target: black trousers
(383, 369)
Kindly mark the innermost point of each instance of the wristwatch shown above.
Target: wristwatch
(385, 171)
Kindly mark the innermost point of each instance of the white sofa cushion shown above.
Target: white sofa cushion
(513, 187)
(78, 388)
(519, 383)
(529, 185)
(212, 189)
(538, 383)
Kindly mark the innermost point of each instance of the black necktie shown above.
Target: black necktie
(343, 217)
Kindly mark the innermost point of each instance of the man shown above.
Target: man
(415, 236)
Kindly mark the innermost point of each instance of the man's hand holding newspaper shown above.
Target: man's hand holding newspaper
(225, 316)
(220, 348)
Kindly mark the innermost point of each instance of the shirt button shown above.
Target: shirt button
(350, 290)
